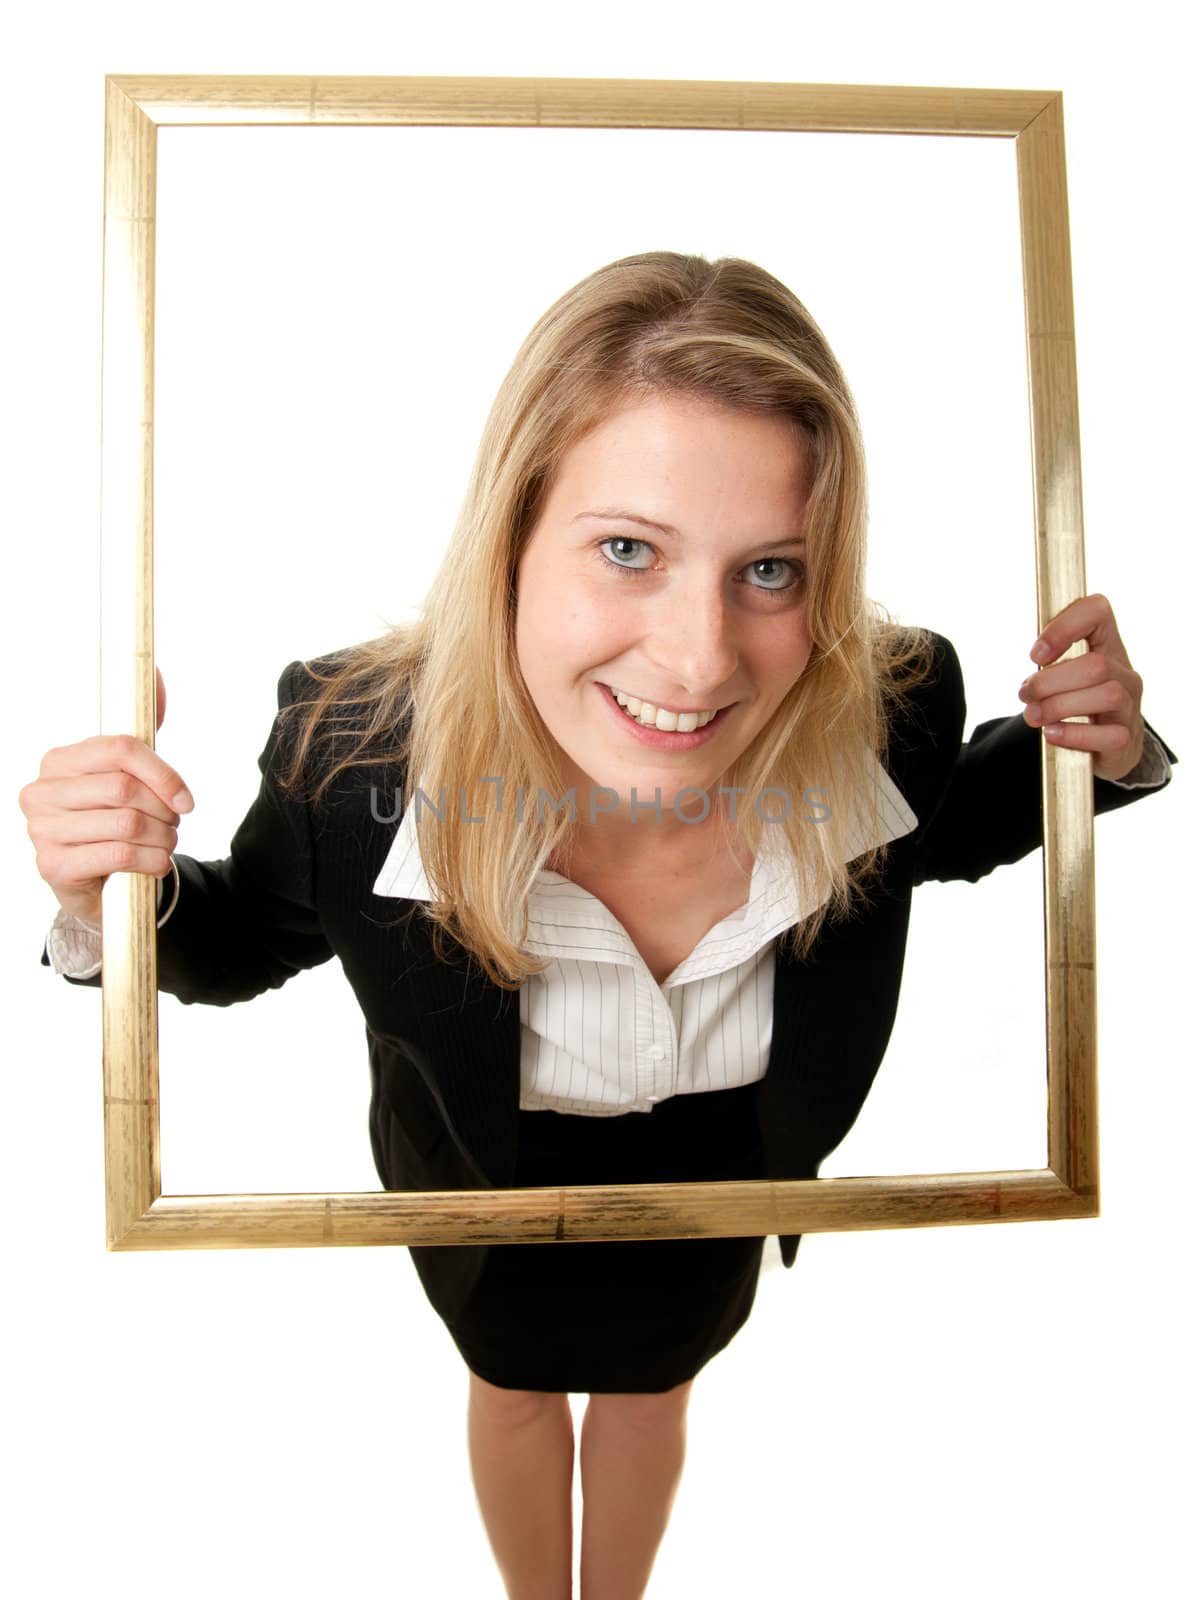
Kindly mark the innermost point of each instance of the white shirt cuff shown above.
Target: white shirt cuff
(74, 947)
(1152, 768)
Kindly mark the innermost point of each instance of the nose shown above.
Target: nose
(691, 639)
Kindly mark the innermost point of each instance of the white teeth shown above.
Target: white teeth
(655, 717)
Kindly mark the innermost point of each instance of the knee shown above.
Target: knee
(512, 1407)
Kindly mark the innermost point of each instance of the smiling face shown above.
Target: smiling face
(666, 566)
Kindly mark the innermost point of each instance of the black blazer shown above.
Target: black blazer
(444, 1042)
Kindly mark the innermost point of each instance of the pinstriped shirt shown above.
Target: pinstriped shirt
(599, 1036)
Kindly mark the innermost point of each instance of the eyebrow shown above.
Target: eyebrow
(613, 515)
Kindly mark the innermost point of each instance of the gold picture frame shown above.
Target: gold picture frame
(139, 1216)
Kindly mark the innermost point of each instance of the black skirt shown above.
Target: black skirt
(619, 1316)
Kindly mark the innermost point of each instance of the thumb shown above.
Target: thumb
(161, 697)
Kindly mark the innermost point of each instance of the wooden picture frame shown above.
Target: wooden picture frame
(139, 1216)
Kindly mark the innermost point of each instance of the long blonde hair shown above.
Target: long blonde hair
(444, 695)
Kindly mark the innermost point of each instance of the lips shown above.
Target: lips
(633, 703)
(660, 738)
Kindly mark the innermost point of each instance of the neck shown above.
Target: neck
(651, 849)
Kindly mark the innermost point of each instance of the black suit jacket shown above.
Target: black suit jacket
(444, 1042)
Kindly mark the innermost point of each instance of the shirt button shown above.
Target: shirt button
(655, 1052)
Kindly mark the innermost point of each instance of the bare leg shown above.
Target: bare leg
(521, 1447)
(631, 1457)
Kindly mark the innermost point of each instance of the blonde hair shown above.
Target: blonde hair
(444, 695)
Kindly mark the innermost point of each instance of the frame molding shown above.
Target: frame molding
(139, 1216)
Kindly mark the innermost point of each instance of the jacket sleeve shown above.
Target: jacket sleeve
(249, 922)
(990, 811)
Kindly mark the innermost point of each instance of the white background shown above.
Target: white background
(937, 1411)
(326, 352)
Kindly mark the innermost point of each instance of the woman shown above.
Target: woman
(653, 765)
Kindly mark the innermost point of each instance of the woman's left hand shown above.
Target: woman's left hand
(1101, 685)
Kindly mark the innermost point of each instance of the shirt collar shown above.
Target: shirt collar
(564, 919)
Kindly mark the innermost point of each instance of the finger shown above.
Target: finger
(1101, 699)
(109, 752)
(1096, 736)
(92, 790)
(118, 826)
(1089, 617)
(1078, 672)
(69, 867)
(161, 696)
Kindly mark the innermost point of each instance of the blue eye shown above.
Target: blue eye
(621, 539)
(789, 573)
(793, 567)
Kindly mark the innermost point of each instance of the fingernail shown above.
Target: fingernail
(1041, 650)
(1054, 730)
(182, 801)
(1023, 687)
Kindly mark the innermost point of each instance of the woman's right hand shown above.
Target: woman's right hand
(107, 804)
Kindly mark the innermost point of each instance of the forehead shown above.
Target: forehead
(689, 453)
(653, 418)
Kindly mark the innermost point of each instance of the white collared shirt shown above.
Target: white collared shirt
(599, 1036)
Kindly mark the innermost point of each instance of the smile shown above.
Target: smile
(647, 715)
(692, 728)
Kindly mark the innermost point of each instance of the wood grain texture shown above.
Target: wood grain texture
(138, 1216)
(582, 103)
(1060, 579)
(646, 1211)
(128, 695)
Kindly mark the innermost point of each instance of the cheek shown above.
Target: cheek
(548, 636)
(536, 622)
(803, 651)
(581, 636)
(784, 658)
(552, 645)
